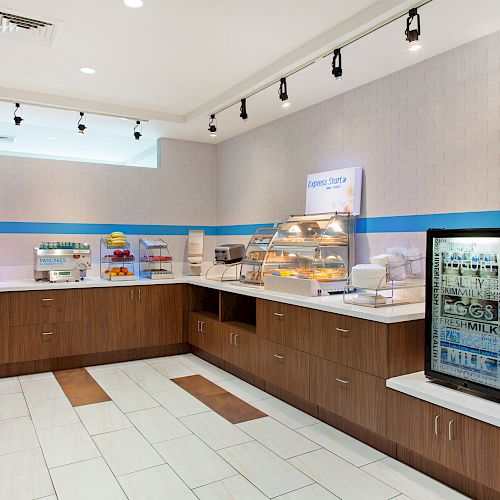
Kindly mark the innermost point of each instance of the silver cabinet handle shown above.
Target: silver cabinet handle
(139, 293)
(201, 326)
(231, 337)
(342, 330)
(279, 357)
(450, 430)
(198, 328)
(47, 333)
(47, 300)
(343, 381)
(436, 425)
(236, 335)
(279, 315)
(131, 294)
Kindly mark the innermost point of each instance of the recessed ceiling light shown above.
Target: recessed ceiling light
(134, 4)
(88, 71)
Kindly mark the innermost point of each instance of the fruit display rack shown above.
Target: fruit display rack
(117, 260)
(155, 261)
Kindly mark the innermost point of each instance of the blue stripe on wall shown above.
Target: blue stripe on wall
(396, 224)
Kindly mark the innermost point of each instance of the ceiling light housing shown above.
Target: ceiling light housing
(134, 4)
(243, 110)
(81, 126)
(137, 134)
(212, 126)
(283, 93)
(17, 119)
(413, 34)
(88, 71)
(337, 64)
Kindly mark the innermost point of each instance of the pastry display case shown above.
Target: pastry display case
(251, 266)
(317, 247)
(155, 261)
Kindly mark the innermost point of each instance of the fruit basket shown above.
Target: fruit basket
(155, 261)
(117, 259)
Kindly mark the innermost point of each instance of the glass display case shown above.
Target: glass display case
(317, 246)
(117, 260)
(251, 266)
(155, 261)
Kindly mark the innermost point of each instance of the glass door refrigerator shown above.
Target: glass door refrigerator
(462, 346)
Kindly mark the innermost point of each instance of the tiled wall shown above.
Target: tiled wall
(180, 192)
(427, 137)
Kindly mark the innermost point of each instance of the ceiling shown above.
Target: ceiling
(175, 62)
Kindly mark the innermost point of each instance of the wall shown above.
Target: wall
(427, 137)
(180, 192)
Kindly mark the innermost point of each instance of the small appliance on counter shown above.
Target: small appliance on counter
(230, 253)
(228, 258)
(60, 261)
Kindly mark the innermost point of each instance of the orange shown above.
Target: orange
(121, 274)
(112, 273)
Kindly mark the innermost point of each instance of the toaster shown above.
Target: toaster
(230, 253)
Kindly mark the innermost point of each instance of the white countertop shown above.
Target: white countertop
(418, 386)
(332, 303)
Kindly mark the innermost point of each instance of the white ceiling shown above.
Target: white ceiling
(176, 61)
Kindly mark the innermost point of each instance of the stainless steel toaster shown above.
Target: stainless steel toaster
(230, 253)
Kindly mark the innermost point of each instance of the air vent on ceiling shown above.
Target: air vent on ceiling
(27, 28)
(6, 138)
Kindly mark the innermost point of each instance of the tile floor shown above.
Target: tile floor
(154, 440)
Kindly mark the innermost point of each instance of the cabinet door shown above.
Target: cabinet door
(204, 333)
(284, 324)
(352, 342)
(239, 346)
(354, 395)
(4, 327)
(284, 367)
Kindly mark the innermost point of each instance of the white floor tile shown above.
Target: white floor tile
(88, 480)
(243, 390)
(100, 368)
(340, 477)
(127, 451)
(278, 437)
(232, 488)
(269, 473)
(66, 444)
(194, 461)
(146, 377)
(103, 417)
(13, 406)
(315, 491)
(130, 397)
(9, 385)
(215, 430)
(284, 413)
(156, 483)
(24, 475)
(412, 483)
(204, 368)
(52, 412)
(51, 497)
(346, 447)
(180, 403)
(157, 424)
(112, 379)
(17, 434)
(36, 376)
(41, 390)
(171, 368)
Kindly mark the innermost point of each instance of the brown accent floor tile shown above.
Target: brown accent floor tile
(218, 399)
(80, 388)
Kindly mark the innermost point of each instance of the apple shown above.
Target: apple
(118, 253)
(126, 252)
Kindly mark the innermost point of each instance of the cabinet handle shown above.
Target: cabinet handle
(279, 357)
(47, 333)
(198, 325)
(436, 425)
(231, 338)
(450, 430)
(343, 381)
(279, 315)
(47, 300)
(131, 294)
(201, 327)
(236, 335)
(342, 330)
(139, 293)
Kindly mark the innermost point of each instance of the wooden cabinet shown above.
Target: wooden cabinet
(239, 345)
(4, 327)
(352, 342)
(459, 443)
(351, 394)
(204, 332)
(284, 324)
(284, 367)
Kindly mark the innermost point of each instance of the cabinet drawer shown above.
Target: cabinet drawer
(284, 324)
(284, 367)
(352, 342)
(204, 333)
(33, 342)
(51, 306)
(349, 393)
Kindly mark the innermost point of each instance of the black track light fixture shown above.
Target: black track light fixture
(243, 110)
(17, 119)
(137, 134)
(81, 126)
(212, 126)
(337, 64)
(413, 34)
(283, 93)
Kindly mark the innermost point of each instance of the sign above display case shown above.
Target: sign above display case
(334, 191)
